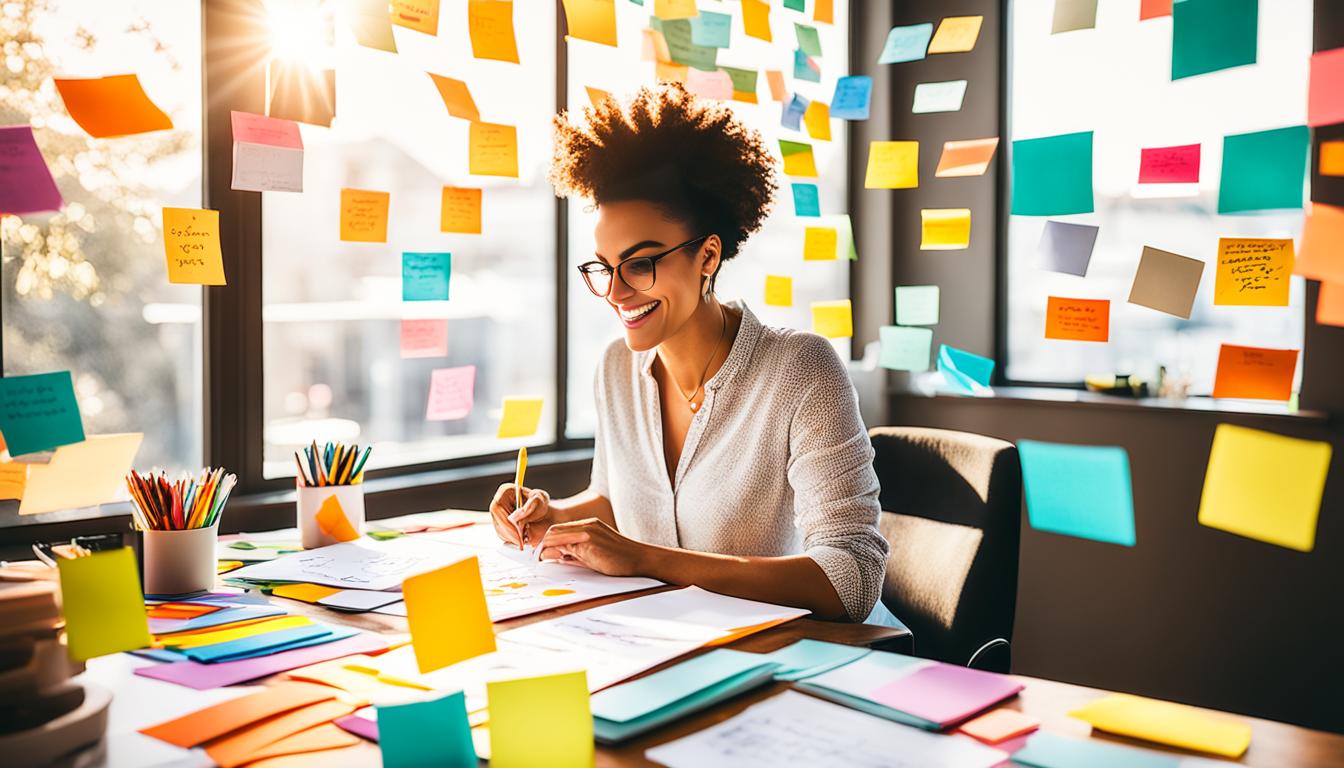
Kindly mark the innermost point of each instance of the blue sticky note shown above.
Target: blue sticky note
(805, 68)
(906, 44)
(1078, 490)
(806, 658)
(904, 349)
(711, 30)
(425, 734)
(332, 635)
(917, 304)
(424, 276)
(1265, 170)
(39, 412)
(964, 370)
(247, 645)
(1052, 175)
(793, 112)
(806, 200)
(852, 98)
(1046, 750)
(1209, 35)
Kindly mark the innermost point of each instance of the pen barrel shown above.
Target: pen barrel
(315, 532)
(177, 562)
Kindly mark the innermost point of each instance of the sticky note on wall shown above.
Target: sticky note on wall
(819, 243)
(460, 211)
(592, 20)
(892, 165)
(1169, 165)
(1066, 247)
(904, 349)
(756, 19)
(909, 43)
(1077, 319)
(966, 158)
(492, 150)
(917, 304)
(39, 412)
(420, 15)
(798, 160)
(364, 216)
(852, 98)
(806, 200)
(103, 607)
(1322, 241)
(1209, 35)
(778, 291)
(939, 97)
(456, 97)
(425, 276)
(1078, 490)
(448, 618)
(1332, 158)
(1255, 373)
(191, 245)
(1253, 272)
(833, 319)
(424, 337)
(490, 24)
(945, 229)
(267, 154)
(956, 34)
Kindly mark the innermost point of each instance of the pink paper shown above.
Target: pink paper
(205, 676)
(424, 338)
(260, 129)
(26, 185)
(709, 85)
(1170, 165)
(945, 693)
(362, 727)
(450, 393)
(1325, 96)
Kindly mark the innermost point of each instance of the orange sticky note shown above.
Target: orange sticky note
(420, 15)
(364, 216)
(966, 158)
(316, 739)
(308, 593)
(1077, 319)
(592, 20)
(1322, 256)
(956, 34)
(111, 106)
(596, 95)
(817, 118)
(674, 9)
(1255, 373)
(201, 726)
(191, 245)
(819, 243)
(1330, 305)
(456, 97)
(833, 319)
(238, 747)
(1332, 158)
(13, 478)
(1000, 725)
(892, 165)
(798, 159)
(653, 46)
(332, 521)
(493, 150)
(490, 23)
(776, 80)
(1253, 272)
(778, 291)
(824, 11)
(460, 211)
(756, 19)
(447, 615)
(667, 72)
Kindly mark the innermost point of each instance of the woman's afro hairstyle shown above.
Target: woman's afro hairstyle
(693, 158)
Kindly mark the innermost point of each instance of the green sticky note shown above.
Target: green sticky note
(39, 412)
(1209, 35)
(905, 349)
(809, 40)
(1264, 170)
(426, 733)
(103, 606)
(1078, 490)
(424, 276)
(916, 305)
(541, 721)
(795, 5)
(744, 80)
(712, 30)
(1052, 175)
(681, 44)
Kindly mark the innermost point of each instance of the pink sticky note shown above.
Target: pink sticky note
(424, 338)
(450, 393)
(26, 185)
(1325, 96)
(1170, 165)
(945, 693)
(260, 129)
(709, 85)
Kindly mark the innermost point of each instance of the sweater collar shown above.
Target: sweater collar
(748, 333)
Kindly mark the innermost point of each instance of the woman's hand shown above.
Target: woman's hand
(531, 520)
(593, 544)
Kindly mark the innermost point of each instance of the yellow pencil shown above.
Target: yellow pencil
(518, 493)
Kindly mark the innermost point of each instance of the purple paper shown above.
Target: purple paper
(362, 727)
(206, 676)
(945, 693)
(26, 185)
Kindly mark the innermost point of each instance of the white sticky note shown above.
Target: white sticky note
(939, 97)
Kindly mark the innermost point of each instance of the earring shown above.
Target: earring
(705, 288)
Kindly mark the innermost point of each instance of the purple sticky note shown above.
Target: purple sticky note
(26, 185)
(206, 676)
(945, 693)
(362, 727)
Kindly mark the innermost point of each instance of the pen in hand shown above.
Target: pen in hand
(518, 497)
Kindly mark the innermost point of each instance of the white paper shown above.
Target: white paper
(267, 168)
(361, 564)
(793, 729)
(863, 676)
(939, 97)
(700, 607)
(359, 600)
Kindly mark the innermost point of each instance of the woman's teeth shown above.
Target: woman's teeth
(638, 312)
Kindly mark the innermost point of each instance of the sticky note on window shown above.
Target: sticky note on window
(39, 412)
(832, 319)
(1322, 244)
(425, 276)
(521, 417)
(81, 474)
(1052, 175)
(13, 479)
(1264, 170)
(424, 338)
(26, 185)
(1209, 35)
(681, 48)
(1264, 486)
(904, 349)
(853, 98)
(332, 521)
(372, 25)
(1077, 319)
(456, 97)
(917, 304)
(1166, 281)
(805, 67)
(945, 229)
(420, 15)
(191, 245)
(446, 611)
(424, 733)
(493, 150)
(1330, 305)
(966, 158)
(267, 154)
(111, 106)
(364, 216)
(999, 725)
(1078, 490)
(709, 29)
(817, 118)
(939, 97)
(1164, 722)
(806, 200)
(451, 392)
(518, 737)
(956, 34)
(1154, 9)
(798, 160)
(592, 20)
(809, 40)
(103, 607)
(674, 9)
(823, 11)
(965, 371)
(1332, 158)
(756, 19)
(906, 44)
(892, 165)
(1169, 165)
(1255, 373)
(1253, 272)
(460, 211)
(490, 24)
(1071, 15)
(778, 291)
(819, 243)
(1066, 247)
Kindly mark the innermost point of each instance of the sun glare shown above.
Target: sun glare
(296, 30)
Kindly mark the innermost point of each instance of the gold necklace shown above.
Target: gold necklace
(690, 399)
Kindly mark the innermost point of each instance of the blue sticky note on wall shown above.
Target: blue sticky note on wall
(793, 112)
(424, 276)
(426, 733)
(1078, 490)
(806, 200)
(1264, 170)
(805, 68)
(712, 30)
(964, 370)
(1052, 175)
(852, 98)
(1046, 750)
(906, 44)
(39, 412)
(1209, 35)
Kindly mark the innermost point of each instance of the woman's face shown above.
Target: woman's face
(652, 313)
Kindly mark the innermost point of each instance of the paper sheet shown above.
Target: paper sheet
(564, 737)
(852, 98)
(424, 733)
(81, 474)
(1166, 281)
(451, 392)
(1169, 165)
(956, 34)
(490, 23)
(906, 44)
(966, 158)
(101, 601)
(819, 243)
(939, 97)
(1322, 243)
(806, 200)
(905, 349)
(1052, 175)
(1000, 725)
(1256, 373)
(111, 106)
(592, 20)
(26, 185)
(39, 412)
(424, 338)
(521, 417)
(267, 154)
(460, 211)
(756, 19)
(1071, 15)
(425, 276)
(1264, 170)
(798, 159)
(1070, 319)
(1167, 723)
(364, 216)
(1253, 271)
(362, 564)
(191, 246)
(917, 304)
(1209, 35)
(945, 229)
(456, 97)
(1067, 247)
(778, 291)
(446, 611)
(372, 24)
(1078, 490)
(833, 319)
(419, 15)
(492, 150)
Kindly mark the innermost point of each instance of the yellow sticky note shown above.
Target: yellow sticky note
(520, 738)
(521, 417)
(892, 165)
(420, 15)
(798, 159)
(331, 520)
(956, 34)
(460, 211)
(104, 609)
(675, 9)
(756, 19)
(1332, 158)
(945, 229)
(667, 72)
(447, 615)
(819, 243)
(198, 639)
(191, 244)
(817, 118)
(1264, 486)
(13, 479)
(456, 97)
(832, 319)
(81, 474)
(592, 20)
(490, 23)
(778, 291)
(596, 95)
(493, 150)
(364, 216)
(308, 593)
(1167, 723)
(1253, 271)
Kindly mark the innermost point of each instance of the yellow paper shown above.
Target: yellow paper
(346, 675)
(892, 165)
(817, 118)
(819, 243)
(1167, 723)
(653, 46)
(236, 633)
(104, 610)
(798, 160)
(756, 19)
(1253, 272)
(191, 243)
(521, 417)
(493, 150)
(13, 479)
(1264, 486)
(667, 72)
(308, 593)
(447, 615)
(945, 229)
(490, 23)
(675, 9)
(832, 319)
(824, 11)
(331, 520)
(1332, 158)
(456, 97)
(420, 15)
(520, 738)
(596, 95)
(364, 215)
(956, 34)
(778, 291)
(81, 474)
(460, 211)
(592, 20)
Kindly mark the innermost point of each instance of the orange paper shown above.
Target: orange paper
(756, 19)
(776, 80)
(1253, 271)
(966, 158)
(490, 23)
(493, 150)
(456, 97)
(460, 211)
(596, 95)
(817, 118)
(420, 15)
(1000, 725)
(331, 520)
(1330, 305)
(592, 20)
(824, 11)
(1078, 319)
(111, 106)
(1332, 158)
(13, 478)
(1322, 256)
(1255, 373)
(316, 739)
(239, 747)
(307, 593)
(364, 216)
(201, 726)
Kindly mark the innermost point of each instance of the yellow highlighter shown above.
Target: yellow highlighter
(518, 494)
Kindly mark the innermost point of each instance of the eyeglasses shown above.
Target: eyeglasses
(638, 273)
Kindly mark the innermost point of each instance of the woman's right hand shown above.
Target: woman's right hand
(531, 520)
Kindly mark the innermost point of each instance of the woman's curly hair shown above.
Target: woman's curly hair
(693, 158)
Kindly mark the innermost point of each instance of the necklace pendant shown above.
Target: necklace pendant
(695, 406)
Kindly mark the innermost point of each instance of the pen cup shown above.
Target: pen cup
(178, 562)
(320, 529)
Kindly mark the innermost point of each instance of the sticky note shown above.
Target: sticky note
(846, 229)
(776, 80)
(832, 319)
(904, 349)
(372, 25)
(1169, 165)
(446, 611)
(596, 95)
(966, 158)
(1255, 373)
(819, 243)
(964, 370)
(104, 610)
(1154, 9)
(364, 216)
(1263, 170)
(817, 118)
(795, 5)
(1077, 319)
(521, 417)
(1332, 158)
(1264, 486)
(999, 725)
(1078, 490)
(744, 83)
(709, 85)
(1066, 247)
(1253, 272)
(806, 200)
(1209, 35)
(490, 24)
(1166, 281)
(1072, 15)
(1322, 256)
(798, 160)
(308, 593)
(680, 46)
(778, 291)
(1330, 305)
(460, 211)
(945, 229)
(1165, 722)
(451, 393)
(906, 44)
(267, 154)
(956, 34)
(81, 474)
(203, 725)
(332, 521)
(191, 245)
(39, 412)
(561, 739)
(26, 185)
(711, 30)
(892, 165)
(853, 97)
(809, 41)
(939, 97)
(592, 20)
(805, 67)
(917, 304)
(493, 150)
(674, 9)
(424, 733)
(456, 97)
(756, 19)
(425, 276)
(824, 11)
(13, 479)
(424, 338)
(111, 106)
(791, 116)
(420, 15)
(665, 72)
(1052, 175)
(1046, 749)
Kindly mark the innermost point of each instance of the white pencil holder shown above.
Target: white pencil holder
(311, 499)
(178, 562)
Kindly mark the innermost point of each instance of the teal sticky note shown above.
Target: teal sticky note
(806, 200)
(1264, 170)
(424, 734)
(807, 657)
(1078, 490)
(852, 98)
(917, 305)
(1046, 750)
(809, 40)
(904, 349)
(712, 30)
(804, 68)
(906, 44)
(794, 5)
(964, 370)
(1209, 35)
(681, 44)
(1052, 175)
(424, 276)
(39, 412)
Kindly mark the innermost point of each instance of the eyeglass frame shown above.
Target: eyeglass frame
(615, 272)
